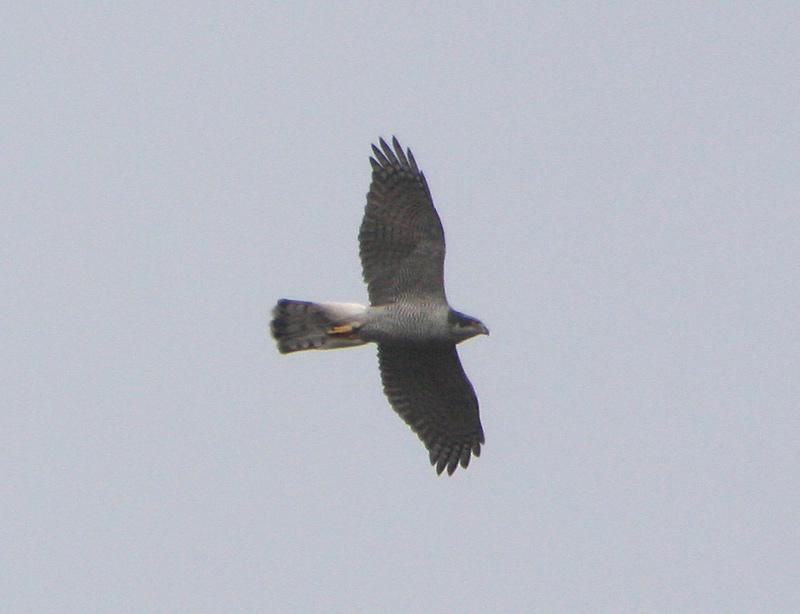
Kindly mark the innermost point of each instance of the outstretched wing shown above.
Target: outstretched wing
(429, 389)
(401, 236)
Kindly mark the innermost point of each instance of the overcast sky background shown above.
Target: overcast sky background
(619, 189)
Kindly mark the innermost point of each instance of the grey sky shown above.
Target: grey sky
(619, 190)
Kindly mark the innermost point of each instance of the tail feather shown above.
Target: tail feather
(302, 325)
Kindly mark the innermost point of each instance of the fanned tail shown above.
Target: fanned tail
(302, 325)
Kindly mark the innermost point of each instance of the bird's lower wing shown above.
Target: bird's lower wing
(431, 392)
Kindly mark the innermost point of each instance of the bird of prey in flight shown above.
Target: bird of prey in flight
(402, 254)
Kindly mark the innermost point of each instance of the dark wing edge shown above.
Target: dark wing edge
(428, 388)
(401, 237)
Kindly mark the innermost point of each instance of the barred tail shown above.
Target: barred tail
(301, 325)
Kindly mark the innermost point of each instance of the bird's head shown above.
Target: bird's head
(463, 327)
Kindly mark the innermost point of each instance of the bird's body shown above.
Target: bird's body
(402, 254)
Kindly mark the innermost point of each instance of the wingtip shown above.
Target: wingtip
(397, 147)
(451, 461)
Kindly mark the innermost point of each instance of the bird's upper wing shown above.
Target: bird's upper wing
(429, 389)
(401, 236)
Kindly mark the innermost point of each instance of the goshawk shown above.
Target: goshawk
(402, 255)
